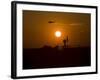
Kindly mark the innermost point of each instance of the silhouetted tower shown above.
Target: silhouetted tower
(65, 41)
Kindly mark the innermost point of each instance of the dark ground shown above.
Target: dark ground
(52, 57)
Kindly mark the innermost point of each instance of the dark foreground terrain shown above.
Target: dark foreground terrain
(52, 57)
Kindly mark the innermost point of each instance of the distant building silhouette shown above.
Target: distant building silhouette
(56, 47)
(47, 47)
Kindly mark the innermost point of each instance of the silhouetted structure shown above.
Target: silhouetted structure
(65, 41)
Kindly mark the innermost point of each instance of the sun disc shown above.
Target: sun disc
(58, 34)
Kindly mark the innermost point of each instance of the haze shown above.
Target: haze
(39, 28)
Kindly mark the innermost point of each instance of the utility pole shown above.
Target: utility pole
(65, 41)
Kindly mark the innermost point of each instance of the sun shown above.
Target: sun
(58, 34)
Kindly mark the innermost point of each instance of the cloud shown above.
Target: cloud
(75, 24)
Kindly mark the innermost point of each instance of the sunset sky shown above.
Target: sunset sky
(39, 28)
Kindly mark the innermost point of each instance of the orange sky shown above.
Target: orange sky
(37, 32)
